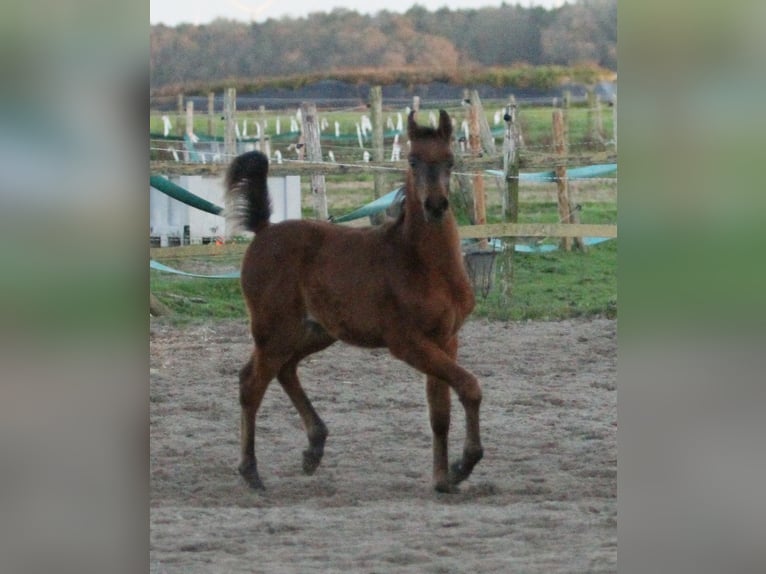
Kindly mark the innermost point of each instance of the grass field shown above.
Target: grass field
(540, 286)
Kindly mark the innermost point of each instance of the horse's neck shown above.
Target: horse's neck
(436, 244)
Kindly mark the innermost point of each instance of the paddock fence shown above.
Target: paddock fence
(477, 158)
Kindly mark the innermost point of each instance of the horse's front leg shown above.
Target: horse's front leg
(472, 450)
(437, 363)
(438, 393)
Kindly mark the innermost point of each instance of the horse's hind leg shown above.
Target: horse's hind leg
(315, 427)
(254, 378)
(314, 340)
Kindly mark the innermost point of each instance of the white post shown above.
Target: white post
(396, 150)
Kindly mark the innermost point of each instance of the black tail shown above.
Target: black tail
(247, 194)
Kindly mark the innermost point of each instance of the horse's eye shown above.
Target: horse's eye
(413, 162)
(450, 164)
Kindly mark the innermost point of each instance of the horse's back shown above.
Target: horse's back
(307, 244)
(361, 285)
(303, 256)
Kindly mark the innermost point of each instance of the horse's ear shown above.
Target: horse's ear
(445, 125)
(412, 125)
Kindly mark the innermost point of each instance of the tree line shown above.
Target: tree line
(443, 41)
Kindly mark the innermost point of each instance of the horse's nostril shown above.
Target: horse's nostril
(437, 205)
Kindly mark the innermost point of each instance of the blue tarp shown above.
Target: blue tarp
(588, 171)
(380, 204)
(184, 196)
(548, 247)
(160, 267)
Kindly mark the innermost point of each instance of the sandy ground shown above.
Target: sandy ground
(542, 500)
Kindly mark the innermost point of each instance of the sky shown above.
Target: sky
(173, 12)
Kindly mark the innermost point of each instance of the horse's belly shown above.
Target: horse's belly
(353, 326)
(361, 338)
(355, 334)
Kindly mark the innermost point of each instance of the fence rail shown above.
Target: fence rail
(293, 167)
(466, 232)
(538, 230)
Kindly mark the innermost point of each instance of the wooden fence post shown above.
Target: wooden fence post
(189, 129)
(210, 113)
(310, 123)
(510, 203)
(464, 184)
(614, 121)
(566, 212)
(511, 146)
(565, 115)
(179, 124)
(485, 133)
(229, 128)
(560, 148)
(474, 142)
(595, 123)
(190, 118)
(379, 178)
(599, 120)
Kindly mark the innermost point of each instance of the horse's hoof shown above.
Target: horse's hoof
(446, 487)
(311, 460)
(457, 473)
(461, 469)
(250, 474)
(255, 484)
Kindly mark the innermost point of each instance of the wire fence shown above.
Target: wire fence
(345, 128)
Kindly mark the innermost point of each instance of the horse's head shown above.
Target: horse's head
(431, 162)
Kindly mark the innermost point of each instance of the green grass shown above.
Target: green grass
(541, 286)
(194, 299)
(596, 213)
(197, 299)
(553, 286)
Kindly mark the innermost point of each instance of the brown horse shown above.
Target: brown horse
(401, 285)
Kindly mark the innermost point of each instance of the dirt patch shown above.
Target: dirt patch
(542, 500)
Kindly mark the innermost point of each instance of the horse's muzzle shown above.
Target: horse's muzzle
(436, 207)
